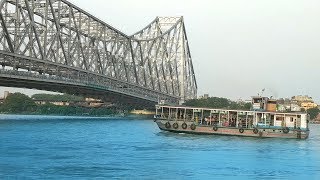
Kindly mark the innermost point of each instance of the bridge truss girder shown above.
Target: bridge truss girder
(56, 40)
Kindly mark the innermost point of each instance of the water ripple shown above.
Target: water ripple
(37, 147)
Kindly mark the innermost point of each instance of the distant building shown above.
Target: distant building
(57, 103)
(94, 102)
(144, 112)
(296, 103)
(6, 94)
(295, 107)
(308, 105)
(248, 101)
(205, 96)
(305, 102)
(281, 108)
(301, 98)
(280, 101)
(287, 104)
(88, 102)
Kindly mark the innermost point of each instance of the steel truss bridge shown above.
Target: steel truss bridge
(56, 46)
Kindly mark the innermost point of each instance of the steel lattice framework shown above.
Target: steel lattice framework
(55, 45)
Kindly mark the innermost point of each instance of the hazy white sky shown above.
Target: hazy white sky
(238, 46)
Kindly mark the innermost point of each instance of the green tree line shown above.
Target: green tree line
(313, 112)
(56, 97)
(18, 103)
(218, 102)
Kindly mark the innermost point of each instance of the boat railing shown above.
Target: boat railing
(174, 118)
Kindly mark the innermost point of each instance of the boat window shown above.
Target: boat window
(279, 118)
(291, 119)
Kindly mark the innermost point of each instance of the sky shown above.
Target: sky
(238, 47)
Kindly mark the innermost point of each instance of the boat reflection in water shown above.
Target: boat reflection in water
(262, 121)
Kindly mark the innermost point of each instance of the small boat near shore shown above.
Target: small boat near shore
(255, 123)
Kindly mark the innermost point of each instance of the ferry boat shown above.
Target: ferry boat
(262, 121)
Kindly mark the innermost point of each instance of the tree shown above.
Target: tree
(211, 102)
(56, 97)
(313, 112)
(17, 103)
(216, 102)
(247, 106)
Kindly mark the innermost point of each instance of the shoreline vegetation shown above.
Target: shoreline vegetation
(21, 104)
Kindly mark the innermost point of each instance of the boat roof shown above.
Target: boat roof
(204, 108)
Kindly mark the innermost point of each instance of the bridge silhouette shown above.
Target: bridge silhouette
(56, 46)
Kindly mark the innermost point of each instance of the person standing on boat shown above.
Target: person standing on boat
(240, 123)
(226, 124)
(206, 120)
(250, 123)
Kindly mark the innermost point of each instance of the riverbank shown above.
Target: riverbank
(50, 109)
(57, 116)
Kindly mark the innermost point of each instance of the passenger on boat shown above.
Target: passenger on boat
(215, 119)
(233, 123)
(240, 124)
(206, 120)
(250, 123)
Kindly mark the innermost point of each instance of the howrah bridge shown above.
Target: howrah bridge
(56, 46)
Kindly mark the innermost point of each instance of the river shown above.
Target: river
(44, 147)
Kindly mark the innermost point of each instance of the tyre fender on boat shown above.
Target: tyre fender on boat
(184, 125)
(175, 125)
(241, 130)
(255, 130)
(193, 126)
(168, 125)
(286, 130)
(215, 128)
